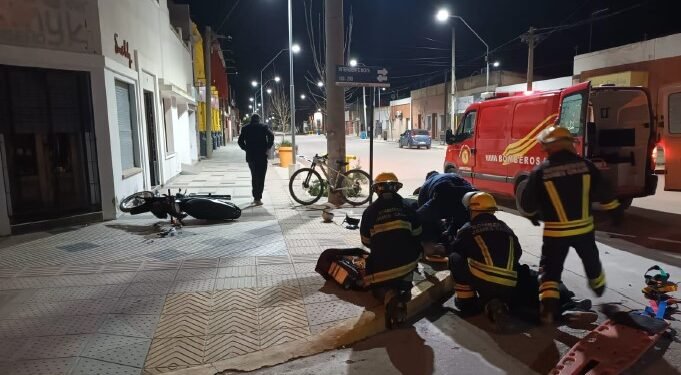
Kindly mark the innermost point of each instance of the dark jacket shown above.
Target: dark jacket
(440, 198)
(560, 191)
(492, 249)
(256, 139)
(391, 229)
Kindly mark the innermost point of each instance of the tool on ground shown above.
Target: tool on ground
(351, 222)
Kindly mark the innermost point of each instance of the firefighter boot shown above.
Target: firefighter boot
(577, 304)
(549, 311)
(497, 312)
(396, 307)
(599, 291)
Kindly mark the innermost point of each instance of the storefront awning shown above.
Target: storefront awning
(182, 96)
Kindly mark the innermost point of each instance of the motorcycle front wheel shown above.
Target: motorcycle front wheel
(135, 200)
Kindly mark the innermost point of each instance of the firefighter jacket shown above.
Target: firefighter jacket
(440, 198)
(391, 229)
(561, 189)
(492, 249)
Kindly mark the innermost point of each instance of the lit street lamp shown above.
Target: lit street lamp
(269, 91)
(277, 79)
(302, 96)
(254, 83)
(353, 62)
(250, 100)
(320, 84)
(496, 64)
(295, 48)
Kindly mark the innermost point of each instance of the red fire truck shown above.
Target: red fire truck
(495, 146)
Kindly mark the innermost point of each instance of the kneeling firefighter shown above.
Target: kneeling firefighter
(485, 266)
(391, 229)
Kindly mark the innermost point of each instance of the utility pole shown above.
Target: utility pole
(364, 102)
(208, 41)
(292, 93)
(444, 95)
(335, 100)
(529, 38)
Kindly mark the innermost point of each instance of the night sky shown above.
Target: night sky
(402, 35)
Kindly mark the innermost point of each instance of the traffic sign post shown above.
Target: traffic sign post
(364, 76)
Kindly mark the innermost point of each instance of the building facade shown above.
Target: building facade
(400, 118)
(98, 103)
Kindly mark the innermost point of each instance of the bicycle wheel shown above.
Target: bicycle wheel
(134, 200)
(355, 186)
(306, 186)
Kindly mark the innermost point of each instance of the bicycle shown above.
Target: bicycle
(307, 186)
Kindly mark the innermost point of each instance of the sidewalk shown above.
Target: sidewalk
(113, 297)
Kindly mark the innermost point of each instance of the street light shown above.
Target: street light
(269, 91)
(295, 48)
(496, 64)
(250, 106)
(442, 16)
(277, 79)
(353, 62)
(250, 100)
(320, 84)
(254, 83)
(302, 96)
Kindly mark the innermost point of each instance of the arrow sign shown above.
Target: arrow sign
(362, 76)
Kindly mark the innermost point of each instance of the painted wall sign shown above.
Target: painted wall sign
(123, 49)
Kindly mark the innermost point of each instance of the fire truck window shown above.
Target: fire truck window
(468, 124)
(675, 113)
(571, 114)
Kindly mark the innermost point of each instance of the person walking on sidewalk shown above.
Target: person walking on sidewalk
(560, 192)
(256, 139)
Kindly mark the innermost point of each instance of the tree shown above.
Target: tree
(280, 106)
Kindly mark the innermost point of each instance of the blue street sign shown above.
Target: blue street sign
(362, 76)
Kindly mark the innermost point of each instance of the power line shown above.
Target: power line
(227, 15)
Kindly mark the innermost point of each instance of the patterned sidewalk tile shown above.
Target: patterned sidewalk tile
(236, 283)
(160, 265)
(87, 366)
(122, 350)
(188, 303)
(189, 286)
(197, 274)
(276, 269)
(305, 258)
(313, 294)
(230, 345)
(279, 259)
(277, 280)
(148, 288)
(140, 305)
(76, 293)
(162, 275)
(49, 326)
(282, 336)
(201, 263)
(318, 328)
(288, 316)
(231, 299)
(41, 271)
(182, 325)
(129, 325)
(279, 296)
(237, 261)
(53, 347)
(302, 268)
(236, 271)
(310, 279)
(325, 312)
(232, 321)
(54, 366)
(62, 308)
(176, 352)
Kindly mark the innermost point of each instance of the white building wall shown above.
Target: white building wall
(545, 85)
(654, 49)
(155, 49)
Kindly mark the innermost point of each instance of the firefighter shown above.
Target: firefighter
(439, 198)
(391, 229)
(559, 192)
(484, 262)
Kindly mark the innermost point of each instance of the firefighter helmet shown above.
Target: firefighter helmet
(554, 134)
(479, 201)
(386, 182)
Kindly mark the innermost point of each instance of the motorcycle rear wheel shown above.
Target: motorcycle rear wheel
(135, 200)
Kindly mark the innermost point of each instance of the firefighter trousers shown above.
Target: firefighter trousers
(553, 254)
(469, 287)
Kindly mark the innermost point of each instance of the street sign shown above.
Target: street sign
(362, 76)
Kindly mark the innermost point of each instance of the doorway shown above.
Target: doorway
(151, 138)
(49, 147)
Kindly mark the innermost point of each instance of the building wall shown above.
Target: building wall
(400, 115)
(85, 41)
(426, 102)
(544, 85)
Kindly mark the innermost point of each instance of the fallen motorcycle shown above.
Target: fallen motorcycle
(180, 205)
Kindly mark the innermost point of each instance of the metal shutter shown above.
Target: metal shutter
(125, 130)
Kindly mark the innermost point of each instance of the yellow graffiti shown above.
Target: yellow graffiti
(525, 144)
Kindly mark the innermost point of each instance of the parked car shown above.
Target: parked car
(415, 137)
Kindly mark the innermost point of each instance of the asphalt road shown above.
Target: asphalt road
(440, 342)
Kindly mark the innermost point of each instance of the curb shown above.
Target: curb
(436, 286)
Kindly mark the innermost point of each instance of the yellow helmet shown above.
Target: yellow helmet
(386, 182)
(554, 134)
(480, 201)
